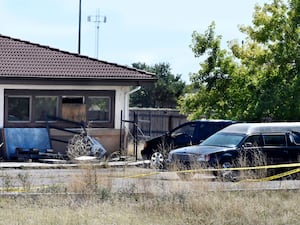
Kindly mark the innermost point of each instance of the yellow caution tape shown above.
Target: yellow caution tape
(142, 175)
(276, 176)
(12, 189)
(242, 168)
(235, 169)
(22, 189)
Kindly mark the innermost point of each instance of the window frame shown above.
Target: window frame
(33, 94)
(269, 142)
(34, 111)
(30, 109)
(188, 129)
(259, 138)
(109, 108)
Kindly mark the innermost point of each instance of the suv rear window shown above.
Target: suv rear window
(186, 129)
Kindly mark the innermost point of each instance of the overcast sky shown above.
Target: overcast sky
(135, 31)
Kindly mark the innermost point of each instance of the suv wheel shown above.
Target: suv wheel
(228, 175)
(157, 160)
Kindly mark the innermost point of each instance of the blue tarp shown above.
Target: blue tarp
(26, 139)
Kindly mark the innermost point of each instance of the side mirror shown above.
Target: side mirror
(248, 145)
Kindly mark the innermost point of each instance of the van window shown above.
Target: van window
(297, 137)
(187, 129)
(255, 140)
(277, 140)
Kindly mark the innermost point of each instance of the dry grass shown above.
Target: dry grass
(245, 158)
(89, 199)
(130, 150)
(179, 208)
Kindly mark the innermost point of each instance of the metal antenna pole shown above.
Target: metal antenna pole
(97, 19)
(97, 33)
(79, 27)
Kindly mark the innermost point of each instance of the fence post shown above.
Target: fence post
(170, 122)
(135, 125)
(121, 127)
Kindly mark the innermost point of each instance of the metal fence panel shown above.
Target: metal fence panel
(154, 122)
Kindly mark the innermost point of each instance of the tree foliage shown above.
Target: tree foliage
(164, 93)
(256, 80)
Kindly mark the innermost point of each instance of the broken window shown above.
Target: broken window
(73, 108)
(72, 100)
(28, 107)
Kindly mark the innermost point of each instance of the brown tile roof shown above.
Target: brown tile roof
(23, 59)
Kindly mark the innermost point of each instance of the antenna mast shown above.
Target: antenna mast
(97, 19)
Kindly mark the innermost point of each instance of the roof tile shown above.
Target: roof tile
(20, 58)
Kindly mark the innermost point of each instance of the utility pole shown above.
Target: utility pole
(79, 27)
(97, 19)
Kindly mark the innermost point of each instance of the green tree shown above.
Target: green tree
(209, 94)
(164, 93)
(263, 72)
(272, 57)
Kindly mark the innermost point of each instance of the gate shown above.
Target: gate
(144, 124)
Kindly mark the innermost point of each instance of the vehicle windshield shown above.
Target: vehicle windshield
(224, 140)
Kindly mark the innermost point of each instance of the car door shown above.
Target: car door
(293, 139)
(252, 150)
(183, 135)
(275, 148)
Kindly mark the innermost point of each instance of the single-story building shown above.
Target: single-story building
(36, 80)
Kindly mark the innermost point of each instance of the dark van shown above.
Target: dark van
(189, 133)
(278, 142)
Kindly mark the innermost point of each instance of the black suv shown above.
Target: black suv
(250, 143)
(189, 133)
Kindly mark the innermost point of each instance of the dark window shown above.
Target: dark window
(18, 109)
(187, 129)
(255, 140)
(275, 140)
(294, 137)
(297, 138)
(72, 100)
(28, 107)
(45, 105)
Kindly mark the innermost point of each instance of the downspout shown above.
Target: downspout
(126, 102)
(126, 109)
(134, 90)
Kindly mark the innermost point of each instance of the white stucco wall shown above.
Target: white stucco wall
(121, 101)
(122, 104)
